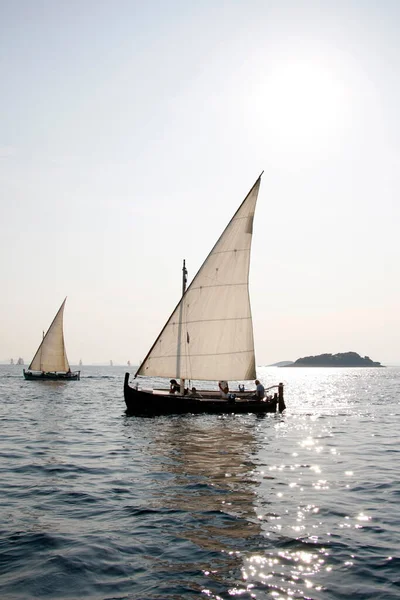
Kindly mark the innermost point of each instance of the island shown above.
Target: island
(342, 359)
(282, 363)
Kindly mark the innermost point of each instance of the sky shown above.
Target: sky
(131, 131)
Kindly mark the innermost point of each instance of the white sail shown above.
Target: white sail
(51, 355)
(209, 336)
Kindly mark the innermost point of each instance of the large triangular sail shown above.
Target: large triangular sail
(209, 336)
(51, 355)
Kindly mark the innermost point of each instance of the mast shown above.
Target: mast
(184, 283)
(184, 277)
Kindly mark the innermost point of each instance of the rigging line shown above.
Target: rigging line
(231, 250)
(215, 285)
(207, 354)
(214, 320)
(187, 347)
(189, 356)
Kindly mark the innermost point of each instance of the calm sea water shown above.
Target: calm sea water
(98, 505)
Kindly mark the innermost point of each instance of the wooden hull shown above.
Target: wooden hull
(36, 375)
(148, 403)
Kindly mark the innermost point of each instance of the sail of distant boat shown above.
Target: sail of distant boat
(209, 335)
(51, 354)
(50, 360)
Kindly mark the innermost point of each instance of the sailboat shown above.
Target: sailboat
(50, 360)
(209, 335)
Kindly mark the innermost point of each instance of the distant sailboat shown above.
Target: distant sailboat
(20, 361)
(12, 361)
(111, 363)
(209, 335)
(80, 362)
(129, 363)
(50, 360)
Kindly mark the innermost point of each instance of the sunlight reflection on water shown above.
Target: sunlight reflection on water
(311, 505)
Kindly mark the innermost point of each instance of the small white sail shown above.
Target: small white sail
(51, 355)
(209, 336)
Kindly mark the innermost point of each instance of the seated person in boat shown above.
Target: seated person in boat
(224, 389)
(174, 388)
(194, 393)
(260, 390)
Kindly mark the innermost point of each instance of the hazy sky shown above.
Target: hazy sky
(130, 133)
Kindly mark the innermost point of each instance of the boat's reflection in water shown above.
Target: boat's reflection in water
(214, 490)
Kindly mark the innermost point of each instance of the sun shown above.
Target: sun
(305, 101)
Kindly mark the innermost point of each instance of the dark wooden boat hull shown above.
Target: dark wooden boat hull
(147, 403)
(35, 376)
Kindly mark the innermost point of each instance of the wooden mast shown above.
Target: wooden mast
(184, 283)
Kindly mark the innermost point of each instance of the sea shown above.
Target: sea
(99, 505)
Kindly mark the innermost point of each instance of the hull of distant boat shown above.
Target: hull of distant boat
(149, 403)
(36, 375)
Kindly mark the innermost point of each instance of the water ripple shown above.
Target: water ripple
(99, 505)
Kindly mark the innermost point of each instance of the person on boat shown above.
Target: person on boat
(260, 390)
(194, 393)
(224, 389)
(174, 388)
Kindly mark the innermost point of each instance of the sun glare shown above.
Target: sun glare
(304, 101)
